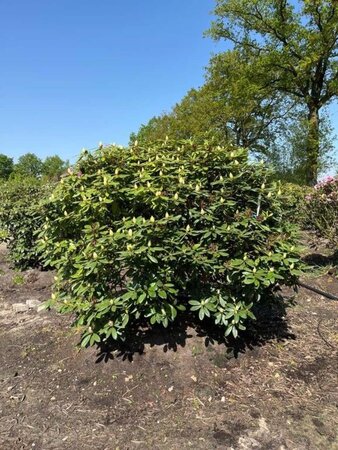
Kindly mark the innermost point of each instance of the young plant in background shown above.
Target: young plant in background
(322, 209)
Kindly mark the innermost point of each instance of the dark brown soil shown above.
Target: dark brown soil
(275, 389)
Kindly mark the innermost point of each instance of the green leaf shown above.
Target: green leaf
(201, 314)
(152, 259)
(228, 331)
(85, 340)
(94, 338)
(125, 320)
(142, 297)
(162, 294)
(181, 307)
(195, 303)
(113, 333)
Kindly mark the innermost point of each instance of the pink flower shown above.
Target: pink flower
(327, 180)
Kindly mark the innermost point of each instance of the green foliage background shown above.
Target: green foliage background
(21, 217)
(322, 210)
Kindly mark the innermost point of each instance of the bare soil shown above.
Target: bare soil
(277, 388)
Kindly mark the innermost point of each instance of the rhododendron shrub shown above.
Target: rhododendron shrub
(294, 204)
(150, 232)
(21, 217)
(322, 209)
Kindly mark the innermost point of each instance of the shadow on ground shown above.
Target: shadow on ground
(271, 324)
(320, 260)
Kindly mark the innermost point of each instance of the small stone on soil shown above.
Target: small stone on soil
(33, 303)
(20, 307)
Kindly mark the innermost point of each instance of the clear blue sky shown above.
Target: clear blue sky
(76, 72)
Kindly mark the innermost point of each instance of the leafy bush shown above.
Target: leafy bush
(21, 217)
(322, 209)
(148, 232)
(294, 204)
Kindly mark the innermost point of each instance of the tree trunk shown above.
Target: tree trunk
(312, 146)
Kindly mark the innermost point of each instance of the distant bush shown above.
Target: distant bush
(21, 216)
(294, 206)
(322, 209)
(148, 232)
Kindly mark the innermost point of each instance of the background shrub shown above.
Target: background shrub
(147, 232)
(322, 209)
(21, 217)
(294, 206)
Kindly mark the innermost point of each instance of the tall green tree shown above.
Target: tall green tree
(53, 167)
(288, 155)
(295, 45)
(231, 106)
(156, 128)
(196, 115)
(199, 115)
(6, 166)
(251, 115)
(210, 110)
(28, 165)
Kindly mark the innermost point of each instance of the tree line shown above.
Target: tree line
(270, 91)
(31, 166)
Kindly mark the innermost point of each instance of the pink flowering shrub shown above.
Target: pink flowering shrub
(322, 209)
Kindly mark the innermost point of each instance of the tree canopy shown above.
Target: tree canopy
(295, 46)
(6, 166)
(53, 167)
(31, 166)
(28, 165)
(197, 115)
(251, 115)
